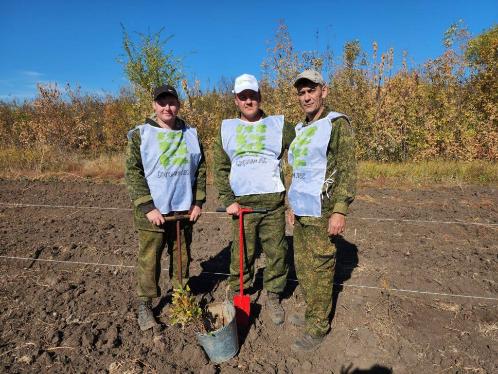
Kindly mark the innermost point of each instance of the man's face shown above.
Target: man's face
(166, 108)
(311, 96)
(248, 102)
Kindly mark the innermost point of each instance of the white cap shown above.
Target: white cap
(245, 82)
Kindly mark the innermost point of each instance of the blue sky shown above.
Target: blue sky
(78, 42)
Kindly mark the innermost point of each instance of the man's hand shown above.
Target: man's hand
(233, 209)
(155, 217)
(291, 217)
(195, 212)
(337, 223)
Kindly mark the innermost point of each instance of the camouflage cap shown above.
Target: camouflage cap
(311, 75)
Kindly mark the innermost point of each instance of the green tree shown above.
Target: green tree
(147, 65)
(482, 51)
(482, 91)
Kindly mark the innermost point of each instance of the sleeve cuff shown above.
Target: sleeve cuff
(199, 203)
(199, 196)
(341, 208)
(147, 207)
(228, 201)
(142, 200)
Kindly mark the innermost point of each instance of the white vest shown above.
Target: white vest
(253, 149)
(308, 158)
(170, 159)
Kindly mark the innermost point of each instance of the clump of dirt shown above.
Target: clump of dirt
(212, 322)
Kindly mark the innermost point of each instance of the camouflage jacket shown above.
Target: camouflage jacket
(222, 166)
(341, 156)
(138, 188)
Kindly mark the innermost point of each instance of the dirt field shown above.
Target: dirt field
(74, 317)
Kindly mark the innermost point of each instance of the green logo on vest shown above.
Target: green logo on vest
(250, 138)
(299, 146)
(173, 148)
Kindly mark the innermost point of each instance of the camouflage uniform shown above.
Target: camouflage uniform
(153, 239)
(266, 229)
(314, 250)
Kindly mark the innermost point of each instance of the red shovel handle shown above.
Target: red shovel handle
(242, 211)
(246, 210)
(241, 250)
(242, 303)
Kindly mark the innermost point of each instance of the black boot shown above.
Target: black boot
(297, 319)
(146, 318)
(275, 310)
(306, 343)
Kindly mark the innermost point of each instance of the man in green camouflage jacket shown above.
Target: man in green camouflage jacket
(319, 197)
(243, 153)
(163, 152)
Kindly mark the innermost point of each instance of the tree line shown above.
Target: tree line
(445, 108)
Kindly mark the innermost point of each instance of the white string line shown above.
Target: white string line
(426, 221)
(290, 279)
(20, 205)
(68, 262)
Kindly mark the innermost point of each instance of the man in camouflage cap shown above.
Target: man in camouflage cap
(323, 160)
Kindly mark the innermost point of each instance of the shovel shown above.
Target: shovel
(178, 218)
(241, 302)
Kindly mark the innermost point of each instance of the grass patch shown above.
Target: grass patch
(445, 172)
(48, 163)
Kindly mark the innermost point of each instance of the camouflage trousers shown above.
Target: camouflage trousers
(267, 230)
(151, 248)
(314, 258)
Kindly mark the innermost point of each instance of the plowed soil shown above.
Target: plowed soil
(416, 287)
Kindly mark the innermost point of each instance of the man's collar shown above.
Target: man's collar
(151, 122)
(179, 123)
(324, 113)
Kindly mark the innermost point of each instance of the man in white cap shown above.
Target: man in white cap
(322, 157)
(248, 173)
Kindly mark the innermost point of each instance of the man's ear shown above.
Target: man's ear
(325, 91)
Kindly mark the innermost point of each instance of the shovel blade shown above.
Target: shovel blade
(242, 305)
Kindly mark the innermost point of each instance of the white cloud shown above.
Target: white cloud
(31, 73)
(23, 85)
(20, 85)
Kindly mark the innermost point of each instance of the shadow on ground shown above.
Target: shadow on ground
(346, 262)
(376, 369)
(214, 272)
